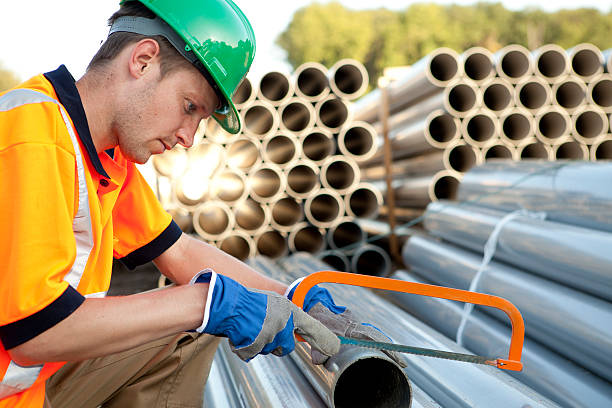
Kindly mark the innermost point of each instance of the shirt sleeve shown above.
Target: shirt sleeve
(143, 230)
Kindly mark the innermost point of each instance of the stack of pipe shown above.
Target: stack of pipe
(451, 112)
(290, 181)
(556, 270)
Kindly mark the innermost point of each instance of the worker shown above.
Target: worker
(72, 199)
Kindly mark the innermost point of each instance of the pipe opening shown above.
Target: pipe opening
(349, 79)
(363, 203)
(346, 233)
(553, 125)
(274, 86)
(250, 215)
(515, 64)
(286, 212)
(516, 126)
(358, 140)
(229, 186)
(312, 82)
(534, 151)
(481, 128)
(338, 262)
(373, 383)
(602, 93)
(213, 220)
(237, 246)
(478, 66)
(258, 120)
(551, 64)
(318, 146)
(462, 97)
(296, 116)
(533, 95)
(265, 183)
(497, 97)
(371, 261)
(442, 128)
(604, 151)
(333, 113)
(498, 152)
(339, 175)
(443, 67)
(242, 154)
(271, 244)
(280, 150)
(570, 95)
(323, 208)
(301, 179)
(586, 63)
(243, 93)
(308, 239)
(446, 187)
(589, 124)
(571, 150)
(462, 158)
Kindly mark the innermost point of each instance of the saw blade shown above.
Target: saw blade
(468, 358)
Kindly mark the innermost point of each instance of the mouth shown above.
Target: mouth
(166, 145)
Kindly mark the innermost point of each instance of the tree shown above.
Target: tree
(8, 79)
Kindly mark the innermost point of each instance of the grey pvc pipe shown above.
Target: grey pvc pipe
(517, 127)
(546, 372)
(297, 116)
(251, 216)
(573, 256)
(412, 114)
(497, 95)
(460, 157)
(533, 93)
(449, 383)
(245, 94)
(213, 220)
(513, 63)
(230, 186)
(267, 183)
(461, 97)
(370, 260)
(545, 186)
(238, 244)
(260, 119)
(305, 237)
(499, 150)
(285, 213)
(317, 145)
(535, 150)
(324, 208)
(429, 75)
(336, 260)
(275, 88)
(339, 173)
(243, 153)
(302, 179)
(415, 192)
(357, 140)
(348, 79)
(311, 81)
(172, 163)
(602, 150)
(480, 128)
(345, 232)
(570, 93)
(586, 61)
(332, 113)
(363, 201)
(478, 64)
(572, 323)
(271, 243)
(589, 124)
(412, 166)
(281, 149)
(571, 149)
(599, 92)
(551, 62)
(552, 125)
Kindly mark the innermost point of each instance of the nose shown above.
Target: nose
(186, 134)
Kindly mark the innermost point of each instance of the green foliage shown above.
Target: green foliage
(381, 38)
(8, 79)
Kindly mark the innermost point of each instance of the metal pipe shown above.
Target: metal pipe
(311, 81)
(266, 183)
(281, 149)
(339, 173)
(461, 96)
(497, 95)
(570, 149)
(238, 244)
(572, 256)
(570, 322)
(324, 208)
(348, 79)
(441, 129)
(378, 233)
(413, 113)
(599, 92)
(332, 113)
(370, 260)
(429, 75)
(450, 384)
(229, 186)
(251, 216)
(318, 145)
(589, 124)
(586, 61)
(260, 119)
(302, 179)
(297, 116)
(306, 237)
(569, 93)
(551, 62)
(358, 141)
(275, 88)
(460, 157)
(478, 64)
(271, 243)
(602, 150)
(499, 150)
(417, 192)
(535, 150)
(413, 166)
(552, 125)
(213, 220)
(517, 127)
(245, 94)
(243, 154)
(533, 93)
(545, 186)
(544, 371)
(336, 260)
(285, 213)
(363, 201)
(343, 233)
(480, 128)
(513, 63)
(219, 391)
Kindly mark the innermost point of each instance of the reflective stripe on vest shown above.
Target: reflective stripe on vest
(18, 378)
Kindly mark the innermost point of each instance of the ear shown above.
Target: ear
(144, 57)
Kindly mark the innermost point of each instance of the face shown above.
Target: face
(159, 113)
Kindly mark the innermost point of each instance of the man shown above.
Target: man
(72, 200)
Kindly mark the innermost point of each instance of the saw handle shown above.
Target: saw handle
(375, 282)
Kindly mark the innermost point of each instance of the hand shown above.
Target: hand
(258, 322)
(319, 304)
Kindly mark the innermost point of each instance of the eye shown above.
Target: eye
(190, 107)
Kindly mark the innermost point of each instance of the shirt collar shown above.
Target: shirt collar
(68, 95)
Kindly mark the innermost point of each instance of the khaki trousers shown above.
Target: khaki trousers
(170, 372)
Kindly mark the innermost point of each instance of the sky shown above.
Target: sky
(38, 35)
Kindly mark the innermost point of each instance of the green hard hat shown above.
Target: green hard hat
(214, 35)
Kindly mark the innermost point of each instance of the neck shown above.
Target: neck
(95, 89)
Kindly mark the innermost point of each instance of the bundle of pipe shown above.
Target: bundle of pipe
(290, 181)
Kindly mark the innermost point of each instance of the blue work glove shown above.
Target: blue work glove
(258, 322)
(319, 304)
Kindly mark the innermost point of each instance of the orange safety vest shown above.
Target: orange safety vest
(65, 212)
